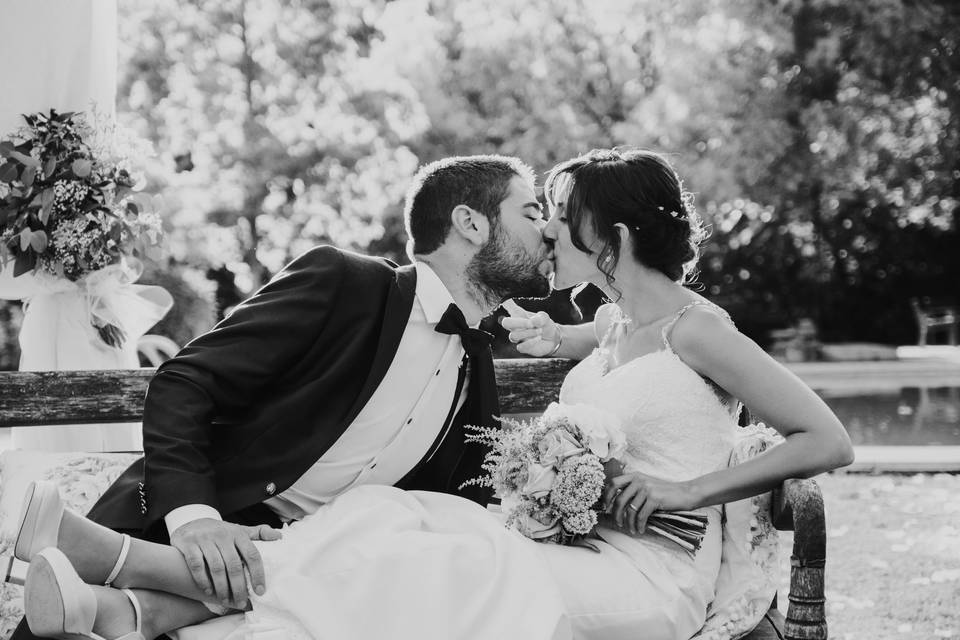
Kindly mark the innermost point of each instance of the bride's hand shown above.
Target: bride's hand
(535, 334)
(632, 497)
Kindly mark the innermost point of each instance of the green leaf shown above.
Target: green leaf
(8, 172)
(24, 263)
(5, 148)
(38, 242)
(25, 236)
(49, 167)
(28, 176)
(25, 159)
(81, 168)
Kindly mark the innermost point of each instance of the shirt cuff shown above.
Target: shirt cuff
(188, 513)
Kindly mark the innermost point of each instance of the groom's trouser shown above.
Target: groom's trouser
(257, 515)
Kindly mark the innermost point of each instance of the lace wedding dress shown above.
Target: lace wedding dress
(679, 426)
(379, 562)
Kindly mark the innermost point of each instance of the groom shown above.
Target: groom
(343, 370)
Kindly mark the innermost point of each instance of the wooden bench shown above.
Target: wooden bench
(526, 386)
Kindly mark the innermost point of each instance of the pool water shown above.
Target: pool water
(908, 416)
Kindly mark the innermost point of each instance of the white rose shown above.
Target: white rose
(601, 429)
(557, 446)
(534, 529)
(540, 481)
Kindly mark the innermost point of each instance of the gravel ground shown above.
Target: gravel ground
(893, 556)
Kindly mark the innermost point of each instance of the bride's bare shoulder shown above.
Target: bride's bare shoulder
(701, 328)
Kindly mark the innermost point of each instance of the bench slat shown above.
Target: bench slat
(29, 398)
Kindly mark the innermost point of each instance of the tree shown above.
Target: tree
(864, 192)
(291, 137)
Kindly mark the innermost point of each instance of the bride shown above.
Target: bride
(378, 561)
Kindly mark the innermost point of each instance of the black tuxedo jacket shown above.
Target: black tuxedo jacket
(244, 410)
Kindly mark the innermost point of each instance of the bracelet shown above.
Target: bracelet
(559, 342)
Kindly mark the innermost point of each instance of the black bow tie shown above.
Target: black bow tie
(475, 342)
(483, 384)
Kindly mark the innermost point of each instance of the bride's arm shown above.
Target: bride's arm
(539, 336)
(815, 441)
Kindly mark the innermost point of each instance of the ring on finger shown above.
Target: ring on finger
(633, 506)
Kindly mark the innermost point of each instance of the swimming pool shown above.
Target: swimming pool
(904, 416)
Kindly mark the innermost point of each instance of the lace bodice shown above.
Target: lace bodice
(678, 424)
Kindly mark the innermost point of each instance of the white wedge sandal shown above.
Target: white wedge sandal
(58, 604)
(40, 527)
(39, 520)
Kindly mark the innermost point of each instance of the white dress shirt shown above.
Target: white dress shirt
(396, 427)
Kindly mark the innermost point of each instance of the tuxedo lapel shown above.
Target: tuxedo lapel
(397, 313)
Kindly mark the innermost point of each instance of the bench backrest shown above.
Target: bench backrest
(30, 398)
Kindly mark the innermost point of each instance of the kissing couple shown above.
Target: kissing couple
(305, 460)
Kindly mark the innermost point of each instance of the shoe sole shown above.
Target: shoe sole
(40, 499)
(47, 603)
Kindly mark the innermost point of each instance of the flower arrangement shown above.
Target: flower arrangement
(550, 475)
(69, 205)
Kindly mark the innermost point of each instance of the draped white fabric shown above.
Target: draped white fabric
(60, 54)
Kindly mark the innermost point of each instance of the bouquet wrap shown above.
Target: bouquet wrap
(61, 317)
(550, 476)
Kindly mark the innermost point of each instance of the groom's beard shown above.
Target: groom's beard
(504, 269)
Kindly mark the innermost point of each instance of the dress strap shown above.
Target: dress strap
(615, 318)
(667, 328)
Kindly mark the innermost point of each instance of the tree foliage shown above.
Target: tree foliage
(820, 136)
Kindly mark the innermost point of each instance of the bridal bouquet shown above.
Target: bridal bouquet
(549, 473)
(69, 205)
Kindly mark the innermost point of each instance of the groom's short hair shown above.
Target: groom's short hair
(479, 182)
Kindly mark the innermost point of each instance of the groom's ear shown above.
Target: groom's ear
(470, 224)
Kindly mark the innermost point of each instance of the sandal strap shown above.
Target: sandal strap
(122, 558)
(138, 614)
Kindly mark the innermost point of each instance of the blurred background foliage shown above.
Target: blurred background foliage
(822, 137)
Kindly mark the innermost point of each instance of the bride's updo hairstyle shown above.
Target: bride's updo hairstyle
(639, 189)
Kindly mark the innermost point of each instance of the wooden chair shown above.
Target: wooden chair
(525, 386)
(933, 318)
(798, 343)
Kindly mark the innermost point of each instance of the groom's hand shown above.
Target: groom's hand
(216, 553)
